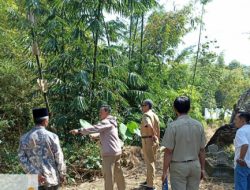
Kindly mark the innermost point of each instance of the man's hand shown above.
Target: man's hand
(163, 178)
(41, 179)
(74, 131)
(203, 177)
(241, 162)
(94, 136)
(155, 138)
(62, 179)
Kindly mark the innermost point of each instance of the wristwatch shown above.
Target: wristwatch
(241, 160)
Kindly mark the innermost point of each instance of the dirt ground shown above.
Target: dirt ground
(136, 174)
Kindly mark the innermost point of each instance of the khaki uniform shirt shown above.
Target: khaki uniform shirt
(149, 122)
(186, 137)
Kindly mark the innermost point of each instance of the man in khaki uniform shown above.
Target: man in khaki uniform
(184, 142)
(150, 134)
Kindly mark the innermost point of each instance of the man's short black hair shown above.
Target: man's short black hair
(106, 108)
(244, 115)
(182, 104)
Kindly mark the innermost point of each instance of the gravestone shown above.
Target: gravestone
(213, 148)
(217, 164)
(222, 158)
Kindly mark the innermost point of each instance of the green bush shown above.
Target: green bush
(82, 157)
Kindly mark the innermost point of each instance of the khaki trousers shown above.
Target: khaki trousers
(149, 149)
(112, 172)
(185, 176)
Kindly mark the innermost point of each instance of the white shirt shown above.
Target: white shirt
(242, 137)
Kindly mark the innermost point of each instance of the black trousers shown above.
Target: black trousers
(48, 188)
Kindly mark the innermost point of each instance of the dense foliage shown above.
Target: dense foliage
(89, 59)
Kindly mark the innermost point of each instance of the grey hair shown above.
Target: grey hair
(106, 108)
(149, 103)
(38, 121)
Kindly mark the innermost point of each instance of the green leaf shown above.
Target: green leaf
(129, 135)
(107, 95)
(84, 77)
(137, 132)
(85, 124)
(132, 126)
(135, 80)
(81, 104)
(122, 129)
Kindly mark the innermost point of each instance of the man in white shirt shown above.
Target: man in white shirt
(242, 151)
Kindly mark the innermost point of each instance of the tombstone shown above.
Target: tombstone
(213, 148)
(212, 151)
(217, 164)
(222, 158)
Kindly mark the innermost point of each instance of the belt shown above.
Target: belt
(145, 137)
(182, 161)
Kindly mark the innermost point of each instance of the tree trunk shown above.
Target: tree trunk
(35, 49)
(96, 37)
(130, 30)
(95, 65)
(142, 27)
(135, 32)
(130, 36)
(108, 39)
(199, 43)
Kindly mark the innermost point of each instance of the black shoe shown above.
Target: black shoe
(150, 188)
(143, 184)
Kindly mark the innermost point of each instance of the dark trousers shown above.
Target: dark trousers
(48, 188)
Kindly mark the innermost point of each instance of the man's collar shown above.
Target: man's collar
(183, 116)
(245, 125)
(150, 110)
(108, 117)
(39, 126)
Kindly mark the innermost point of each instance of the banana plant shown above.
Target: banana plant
(129, 132)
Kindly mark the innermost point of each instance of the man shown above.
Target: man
(242, 152)
(40, 153)
(110, 148)
(150, 134)
(184, 153)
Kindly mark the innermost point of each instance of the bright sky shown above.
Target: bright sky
(227, 21)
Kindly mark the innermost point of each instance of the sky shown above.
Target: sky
(226, 21)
